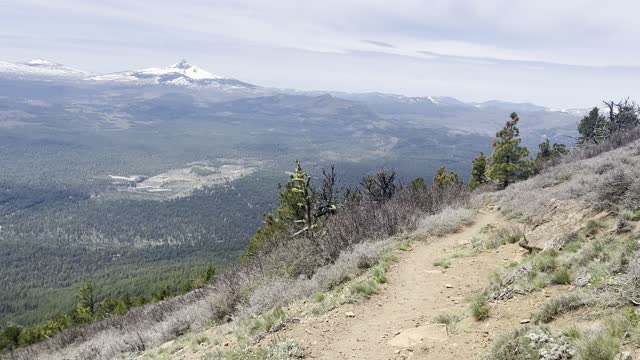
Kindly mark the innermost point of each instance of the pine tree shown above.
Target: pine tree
(86, 303)
(478, 172)
(444, 179)
(295, 212)
(508, 162)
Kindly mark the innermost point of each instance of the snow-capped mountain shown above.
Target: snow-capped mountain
(40, 68)
(180, 74)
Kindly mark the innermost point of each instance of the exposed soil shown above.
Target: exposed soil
(398, 322)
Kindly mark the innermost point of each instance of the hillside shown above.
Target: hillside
(141, 179)
(574, 298)
(544, 269)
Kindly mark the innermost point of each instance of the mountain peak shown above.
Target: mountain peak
(183, 64)
(182, 73)
(41, 62)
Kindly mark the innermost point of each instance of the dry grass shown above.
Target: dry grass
(447, 221)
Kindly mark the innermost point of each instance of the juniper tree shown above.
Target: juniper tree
(508, 162)
(593, 128)
(623, 115)
(596, 127)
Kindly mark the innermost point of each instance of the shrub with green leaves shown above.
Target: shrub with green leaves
(366, 289)
(514, 345)
(561, 277)
(318, 297)
(544, 261)
(558, 306)
(600, 346)
(480, 308)
(593, 227)
(442, 262)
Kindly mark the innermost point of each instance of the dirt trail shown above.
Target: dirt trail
(398, 323)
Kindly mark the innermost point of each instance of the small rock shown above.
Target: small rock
(349, 314)
(525, 321)
(448, 286)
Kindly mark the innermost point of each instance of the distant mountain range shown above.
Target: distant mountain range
(186, 75)
(179, 74)
(39, 68)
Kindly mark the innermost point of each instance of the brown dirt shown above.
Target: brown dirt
(398, 323)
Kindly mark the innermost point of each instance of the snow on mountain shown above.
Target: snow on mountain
(39, 68)
(576, 112)
(180, 74)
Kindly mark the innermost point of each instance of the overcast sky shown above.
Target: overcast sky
(561, 53)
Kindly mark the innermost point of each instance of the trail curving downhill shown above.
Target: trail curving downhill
(398, 322)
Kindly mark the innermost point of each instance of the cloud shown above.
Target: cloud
(378, 43)
(292, 42)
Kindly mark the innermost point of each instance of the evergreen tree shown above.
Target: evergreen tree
(508, 162)
(418, 184)
(205, 278)
(295, 212)
(548, 151)
(444, 179)
(478, 172)
(11, 336)
(593, 128)
(86, 303)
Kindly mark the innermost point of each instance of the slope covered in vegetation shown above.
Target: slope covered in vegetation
(560, 244)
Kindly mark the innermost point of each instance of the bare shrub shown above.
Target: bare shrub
(613, 188)
(631, 281)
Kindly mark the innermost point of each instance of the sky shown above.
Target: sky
(565, 54)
